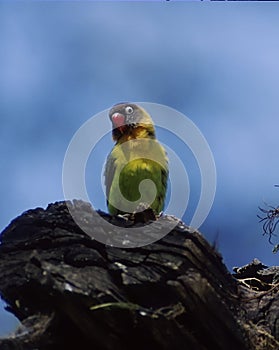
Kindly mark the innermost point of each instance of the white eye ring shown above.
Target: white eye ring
(129, 110)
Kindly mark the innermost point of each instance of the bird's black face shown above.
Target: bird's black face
(130, 120)
(124, 115)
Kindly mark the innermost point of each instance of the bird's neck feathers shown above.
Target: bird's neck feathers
(137, 132)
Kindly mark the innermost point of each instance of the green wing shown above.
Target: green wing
(109, 173)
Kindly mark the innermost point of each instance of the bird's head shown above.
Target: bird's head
(130, 120)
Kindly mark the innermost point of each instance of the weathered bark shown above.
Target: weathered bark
(71, 291)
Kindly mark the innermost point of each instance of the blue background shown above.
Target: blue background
(62, 62)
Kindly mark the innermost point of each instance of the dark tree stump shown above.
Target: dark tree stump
(70, 291)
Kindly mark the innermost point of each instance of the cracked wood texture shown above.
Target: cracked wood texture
(69, 290)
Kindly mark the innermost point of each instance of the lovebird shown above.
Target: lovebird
(136, 156)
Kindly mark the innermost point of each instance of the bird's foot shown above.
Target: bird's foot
(159, 215)
(144, 213)
(125, 217)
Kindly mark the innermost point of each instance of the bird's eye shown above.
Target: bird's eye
(129, 110)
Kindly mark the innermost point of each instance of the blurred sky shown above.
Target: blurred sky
(63, 62)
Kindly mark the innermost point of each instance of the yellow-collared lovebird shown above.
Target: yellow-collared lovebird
(136, 156)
